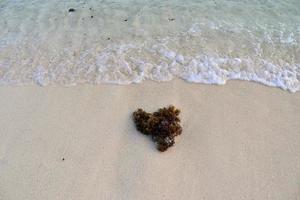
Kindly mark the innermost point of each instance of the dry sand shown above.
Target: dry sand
(240, 141)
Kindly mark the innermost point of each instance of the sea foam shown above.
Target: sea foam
(42, 43)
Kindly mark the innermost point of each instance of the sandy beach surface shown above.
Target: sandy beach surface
(239, 141)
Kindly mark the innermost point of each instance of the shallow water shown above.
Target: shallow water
(123, 41)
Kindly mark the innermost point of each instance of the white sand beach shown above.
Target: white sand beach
(239, 141)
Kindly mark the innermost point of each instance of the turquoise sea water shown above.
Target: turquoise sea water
(123, 41)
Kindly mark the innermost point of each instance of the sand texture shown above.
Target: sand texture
(239, 141)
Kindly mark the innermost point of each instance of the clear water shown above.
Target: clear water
(128, 41)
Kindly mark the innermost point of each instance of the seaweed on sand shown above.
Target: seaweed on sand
(163, 125)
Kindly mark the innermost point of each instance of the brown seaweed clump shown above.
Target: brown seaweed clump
(163, 125)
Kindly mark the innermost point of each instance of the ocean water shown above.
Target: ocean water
(128, 41)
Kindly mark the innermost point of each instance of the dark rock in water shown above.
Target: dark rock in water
(171, 19)
(92, 16)
(125, 20)
(163, 126)
(108, 38)
(72, 10)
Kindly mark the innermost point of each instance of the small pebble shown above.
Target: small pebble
(72, 10)
(92, 16)
(171, 19)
